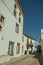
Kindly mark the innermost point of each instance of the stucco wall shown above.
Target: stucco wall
(24, 44)
(8, 30)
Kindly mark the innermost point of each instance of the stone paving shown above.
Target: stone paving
(28, 60)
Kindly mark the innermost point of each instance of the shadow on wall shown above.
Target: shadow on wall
(39, 57)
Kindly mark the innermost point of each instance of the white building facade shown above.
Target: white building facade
(11, 28)
(29, 44)
(24, 43)
(41, 41)
(34, 48)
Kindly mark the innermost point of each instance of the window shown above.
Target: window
(19, 17)
(18, 48)
(17, 28)
(14, 12)
(1, 18)
(1, 21)
(22, 38)
(11, 48)
(19, 14)
(15, 7)
(0, 27)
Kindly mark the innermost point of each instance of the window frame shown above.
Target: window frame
(17, 28)
(15, 12)
(15, 7)
(11, 43)
(18, 48)
(2, 20)
(19, 17)
(0, 28)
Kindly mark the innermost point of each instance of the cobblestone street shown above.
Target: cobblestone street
(28, 60)
(31, 60)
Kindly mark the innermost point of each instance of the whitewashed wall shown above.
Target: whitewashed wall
(29, 40)
(33, 43)
(24, 44)
(8, 31)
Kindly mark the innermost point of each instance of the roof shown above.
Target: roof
(19, 6)
(29, 36)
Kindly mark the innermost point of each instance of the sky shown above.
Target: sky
(33, 17)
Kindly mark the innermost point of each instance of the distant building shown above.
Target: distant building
(37, 47)
(42, 41)
(24, 42)
(29, 44)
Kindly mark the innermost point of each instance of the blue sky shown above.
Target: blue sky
(33, 18)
